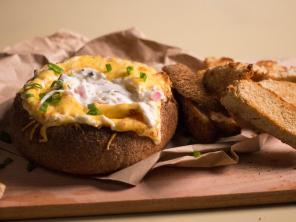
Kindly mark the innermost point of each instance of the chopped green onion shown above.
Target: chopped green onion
(32, 85)
(57, 84)
(26, 95)
(196, 153)
(43, 107)
(5, 137)
(41, 95)
(6, 162)
(54, 99)
(92, 109)
(108, 67)
(31, 166)
(55, 68)
(129, 69)
(143, 76)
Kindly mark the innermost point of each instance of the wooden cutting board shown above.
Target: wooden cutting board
(265, 177)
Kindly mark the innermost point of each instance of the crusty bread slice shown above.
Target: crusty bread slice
(250, 102)
(276, 71)
(190, 85)
(197, 123)
(205, 118)
(286, 90)
(217, 79)
(225, 125)
(206, 126)
(211, 62)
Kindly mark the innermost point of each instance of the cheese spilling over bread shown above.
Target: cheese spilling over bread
(97, 91)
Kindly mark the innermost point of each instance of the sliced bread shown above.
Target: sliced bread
(260, 105)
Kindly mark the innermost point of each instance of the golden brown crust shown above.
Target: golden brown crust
(190, 85)
(276, 71)
(217, 79)
(211, 62)
(225, 125)
(198, 123)
(83, 149)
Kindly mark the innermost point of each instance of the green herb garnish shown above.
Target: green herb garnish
(143, 76)
(196, 153)
(41, 95)
(6, 162)
(32, 85)
(57, 84)
(27, 95)
(55, 68)
(5, 137)
(129, 69)
(92, 109)
(108, 67)
(43, 107)
(31, 166)
(54, 99)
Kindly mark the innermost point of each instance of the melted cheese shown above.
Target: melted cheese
(125, 100)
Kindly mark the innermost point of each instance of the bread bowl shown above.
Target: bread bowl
(93, 115)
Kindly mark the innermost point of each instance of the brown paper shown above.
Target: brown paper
(17, 63)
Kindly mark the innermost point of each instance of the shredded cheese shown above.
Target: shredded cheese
(110, 140)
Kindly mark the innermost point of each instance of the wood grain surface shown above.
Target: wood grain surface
(265, 177)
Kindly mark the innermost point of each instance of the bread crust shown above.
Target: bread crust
(83, 149)
(277, 71)
(211, 62)
(190, 85)
(197, 122)
(217, 79)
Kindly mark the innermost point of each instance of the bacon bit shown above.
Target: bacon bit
(81, 91)
(28, 125)
(110, 140)
(156, 96)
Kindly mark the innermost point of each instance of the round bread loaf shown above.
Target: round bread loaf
(84, 149)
